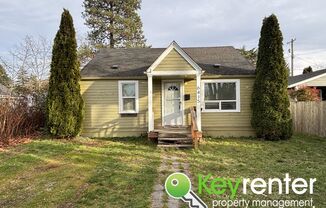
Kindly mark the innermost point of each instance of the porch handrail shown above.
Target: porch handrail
(195, 134)
(193, 119)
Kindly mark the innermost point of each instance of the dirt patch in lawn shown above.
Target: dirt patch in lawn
(48, 166)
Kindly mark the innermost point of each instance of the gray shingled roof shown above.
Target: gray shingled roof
(133, 62)
(299, 78)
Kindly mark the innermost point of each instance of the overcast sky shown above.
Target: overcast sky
(189, 22)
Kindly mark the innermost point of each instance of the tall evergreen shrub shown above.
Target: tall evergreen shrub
(270, 102)
(64, 101)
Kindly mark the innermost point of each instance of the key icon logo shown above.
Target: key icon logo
(178, 186)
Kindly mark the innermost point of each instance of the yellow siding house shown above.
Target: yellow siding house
(133, 92)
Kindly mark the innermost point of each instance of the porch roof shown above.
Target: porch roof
(133, 62)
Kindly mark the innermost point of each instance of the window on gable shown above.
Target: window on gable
(221, 96)
(128, 97)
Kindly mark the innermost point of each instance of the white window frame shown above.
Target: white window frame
(237, 84)
(121, 111)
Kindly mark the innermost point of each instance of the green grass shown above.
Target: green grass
(122, 172)
(302, 157)
(79, 173)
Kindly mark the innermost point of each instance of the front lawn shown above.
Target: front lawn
(79, 173)
(302, 157)
(122, 172)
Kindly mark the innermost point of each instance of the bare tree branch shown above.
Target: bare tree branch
(32, 55)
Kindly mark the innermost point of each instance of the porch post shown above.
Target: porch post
(198, 103)
(150, 103)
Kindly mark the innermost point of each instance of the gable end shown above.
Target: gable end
(174, 59)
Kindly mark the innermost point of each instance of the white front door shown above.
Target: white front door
(172, 103)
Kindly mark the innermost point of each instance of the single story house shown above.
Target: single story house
(135, 91)
(314, 79)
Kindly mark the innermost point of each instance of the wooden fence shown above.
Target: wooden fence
(309, 117)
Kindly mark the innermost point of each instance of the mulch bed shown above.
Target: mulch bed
(17, 141)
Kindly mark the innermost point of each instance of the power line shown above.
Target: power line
(292, 54)
(312, 62)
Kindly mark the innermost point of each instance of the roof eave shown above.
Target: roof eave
(306, 80)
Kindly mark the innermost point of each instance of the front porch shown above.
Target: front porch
(174, 137)
(177, 136)
(174, 92)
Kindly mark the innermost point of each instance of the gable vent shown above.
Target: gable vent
(217, 65)
(115, 67)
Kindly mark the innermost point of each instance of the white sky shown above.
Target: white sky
(189, 22)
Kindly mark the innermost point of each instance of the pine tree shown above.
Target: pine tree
(22, 83)
(307, 70)
(250, 55)
(4, 78)
(64, 102)
(114, 22)
(270, 103)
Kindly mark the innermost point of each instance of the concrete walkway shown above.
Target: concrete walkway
(170, 164)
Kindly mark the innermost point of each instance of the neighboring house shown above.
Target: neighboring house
(313, 79)
(130, 92)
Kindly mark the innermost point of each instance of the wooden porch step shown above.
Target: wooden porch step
(172, 144)
(183, 141)
(174, 135)
(173, 131)
(175, 145)
(174, 139)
